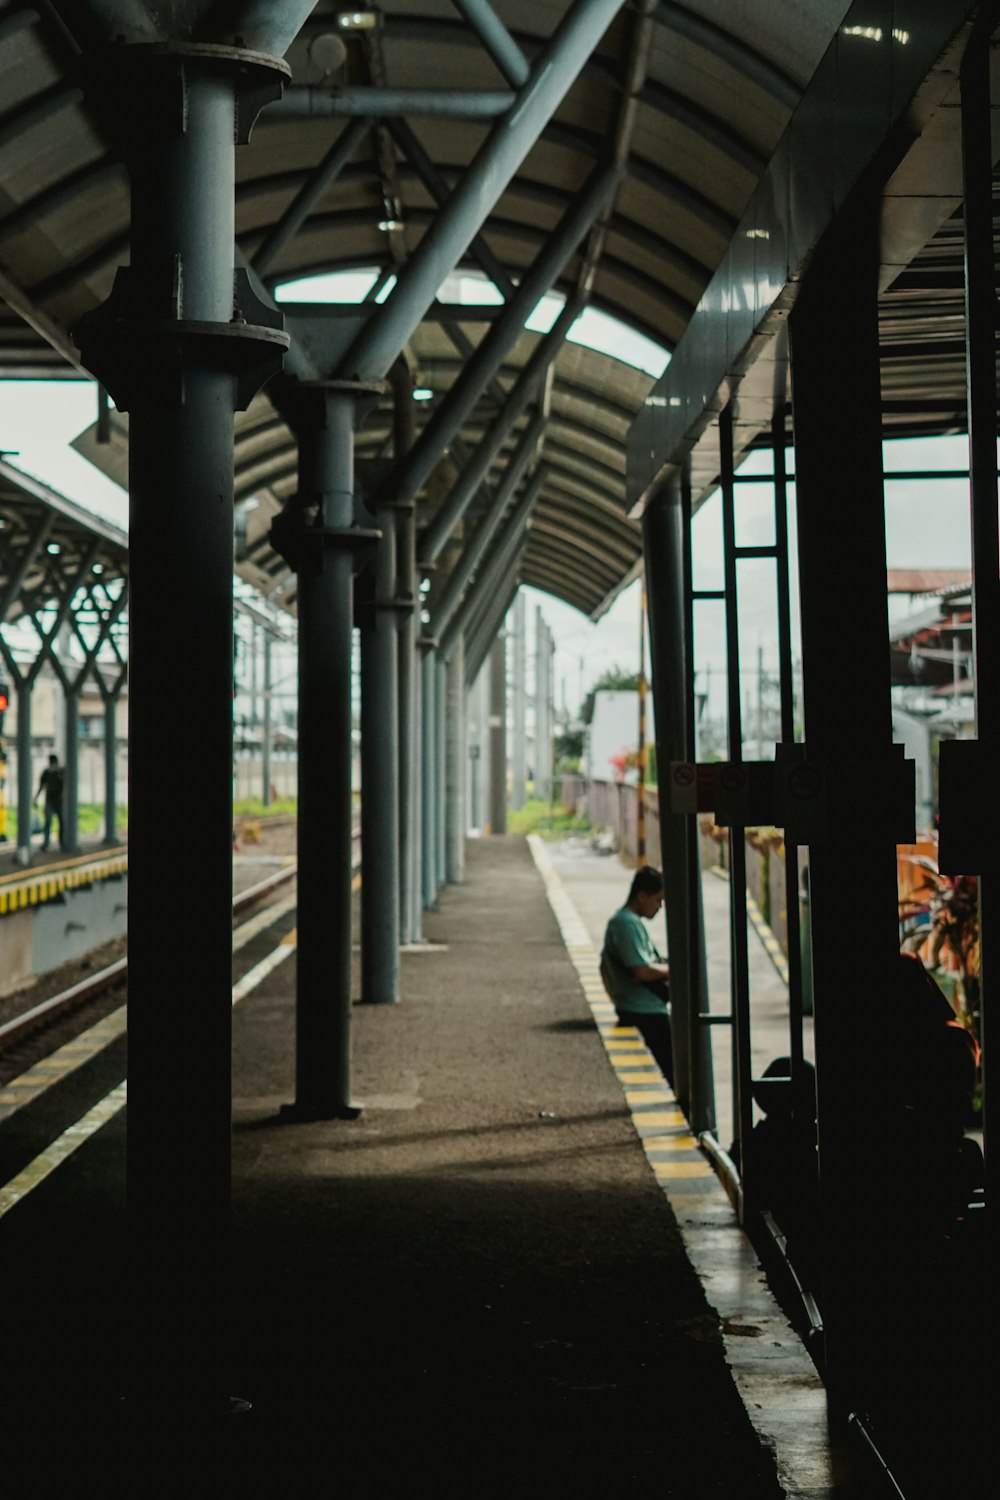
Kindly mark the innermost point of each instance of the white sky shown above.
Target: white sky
(927, 524)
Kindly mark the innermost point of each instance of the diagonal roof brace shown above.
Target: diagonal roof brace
(490, 353)
(476, 547)
(434, 181)
(494, 570)
(318, 183)
(19, 572)
(456, 502)
(508, 142)
(496, 39)
(477, 648)
(314, 103)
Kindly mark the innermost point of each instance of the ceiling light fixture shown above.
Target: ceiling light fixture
(358, 20)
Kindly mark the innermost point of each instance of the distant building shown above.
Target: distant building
(613, 732)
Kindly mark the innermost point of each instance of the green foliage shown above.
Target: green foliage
(253, 807)
(545, 818)
(91, 818)
(569, 749)
(617, 680)
(614, 680)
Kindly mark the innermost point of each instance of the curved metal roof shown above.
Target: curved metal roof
(689, 99)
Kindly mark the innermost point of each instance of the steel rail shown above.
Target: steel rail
(59, 1005)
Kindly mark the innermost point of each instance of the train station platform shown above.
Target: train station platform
(515, 1266)
(514, 1269)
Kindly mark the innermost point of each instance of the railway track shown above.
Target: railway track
(62, 1062)
(111, 978)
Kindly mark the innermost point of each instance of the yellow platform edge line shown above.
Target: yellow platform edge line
(662, 1129)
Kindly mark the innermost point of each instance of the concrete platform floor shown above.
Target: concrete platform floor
(479, 1284)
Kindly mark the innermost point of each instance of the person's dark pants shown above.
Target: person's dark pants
(655, 1032)
(53, 810)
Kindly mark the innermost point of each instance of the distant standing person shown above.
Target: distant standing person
(634, 974)
(50, 787)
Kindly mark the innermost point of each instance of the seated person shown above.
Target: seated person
(634, 974)
(781, 1167)
(928, 1099)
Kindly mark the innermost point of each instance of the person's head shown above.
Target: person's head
(646, 894)
(53, 760)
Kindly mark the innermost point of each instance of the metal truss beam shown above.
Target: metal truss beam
(440, 190)
(312, 190)
(490, 353)
(486, 635)
(494, 569)
(552, 74)
(472, 476)
(36, 540)
(52, 332)
(479, 543)
(462, 104)
(496, 39)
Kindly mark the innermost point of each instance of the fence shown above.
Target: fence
(614, 806)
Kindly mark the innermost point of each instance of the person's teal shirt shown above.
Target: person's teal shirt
(627, 944)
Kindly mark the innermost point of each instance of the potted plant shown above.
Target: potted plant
(942, 911)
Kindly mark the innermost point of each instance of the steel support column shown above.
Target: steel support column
(518, 692)
(173, 350)
(441, 769)
(110, 769)
(25, 772)
(787, 697)
(739, 958)
(543, 722)
(455, 727)
(981, 402)
(324, 421)
(69, 828)
(380, 776)
(410, 719)
(666, 540)
(403, 517)
(266, 721)
(836, 402)
(429, 776)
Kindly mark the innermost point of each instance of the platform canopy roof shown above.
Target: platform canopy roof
(685, 102)
(61, 570)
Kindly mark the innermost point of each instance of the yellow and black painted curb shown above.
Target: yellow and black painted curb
(21, 889)
(676, 1160)
(772, 947)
